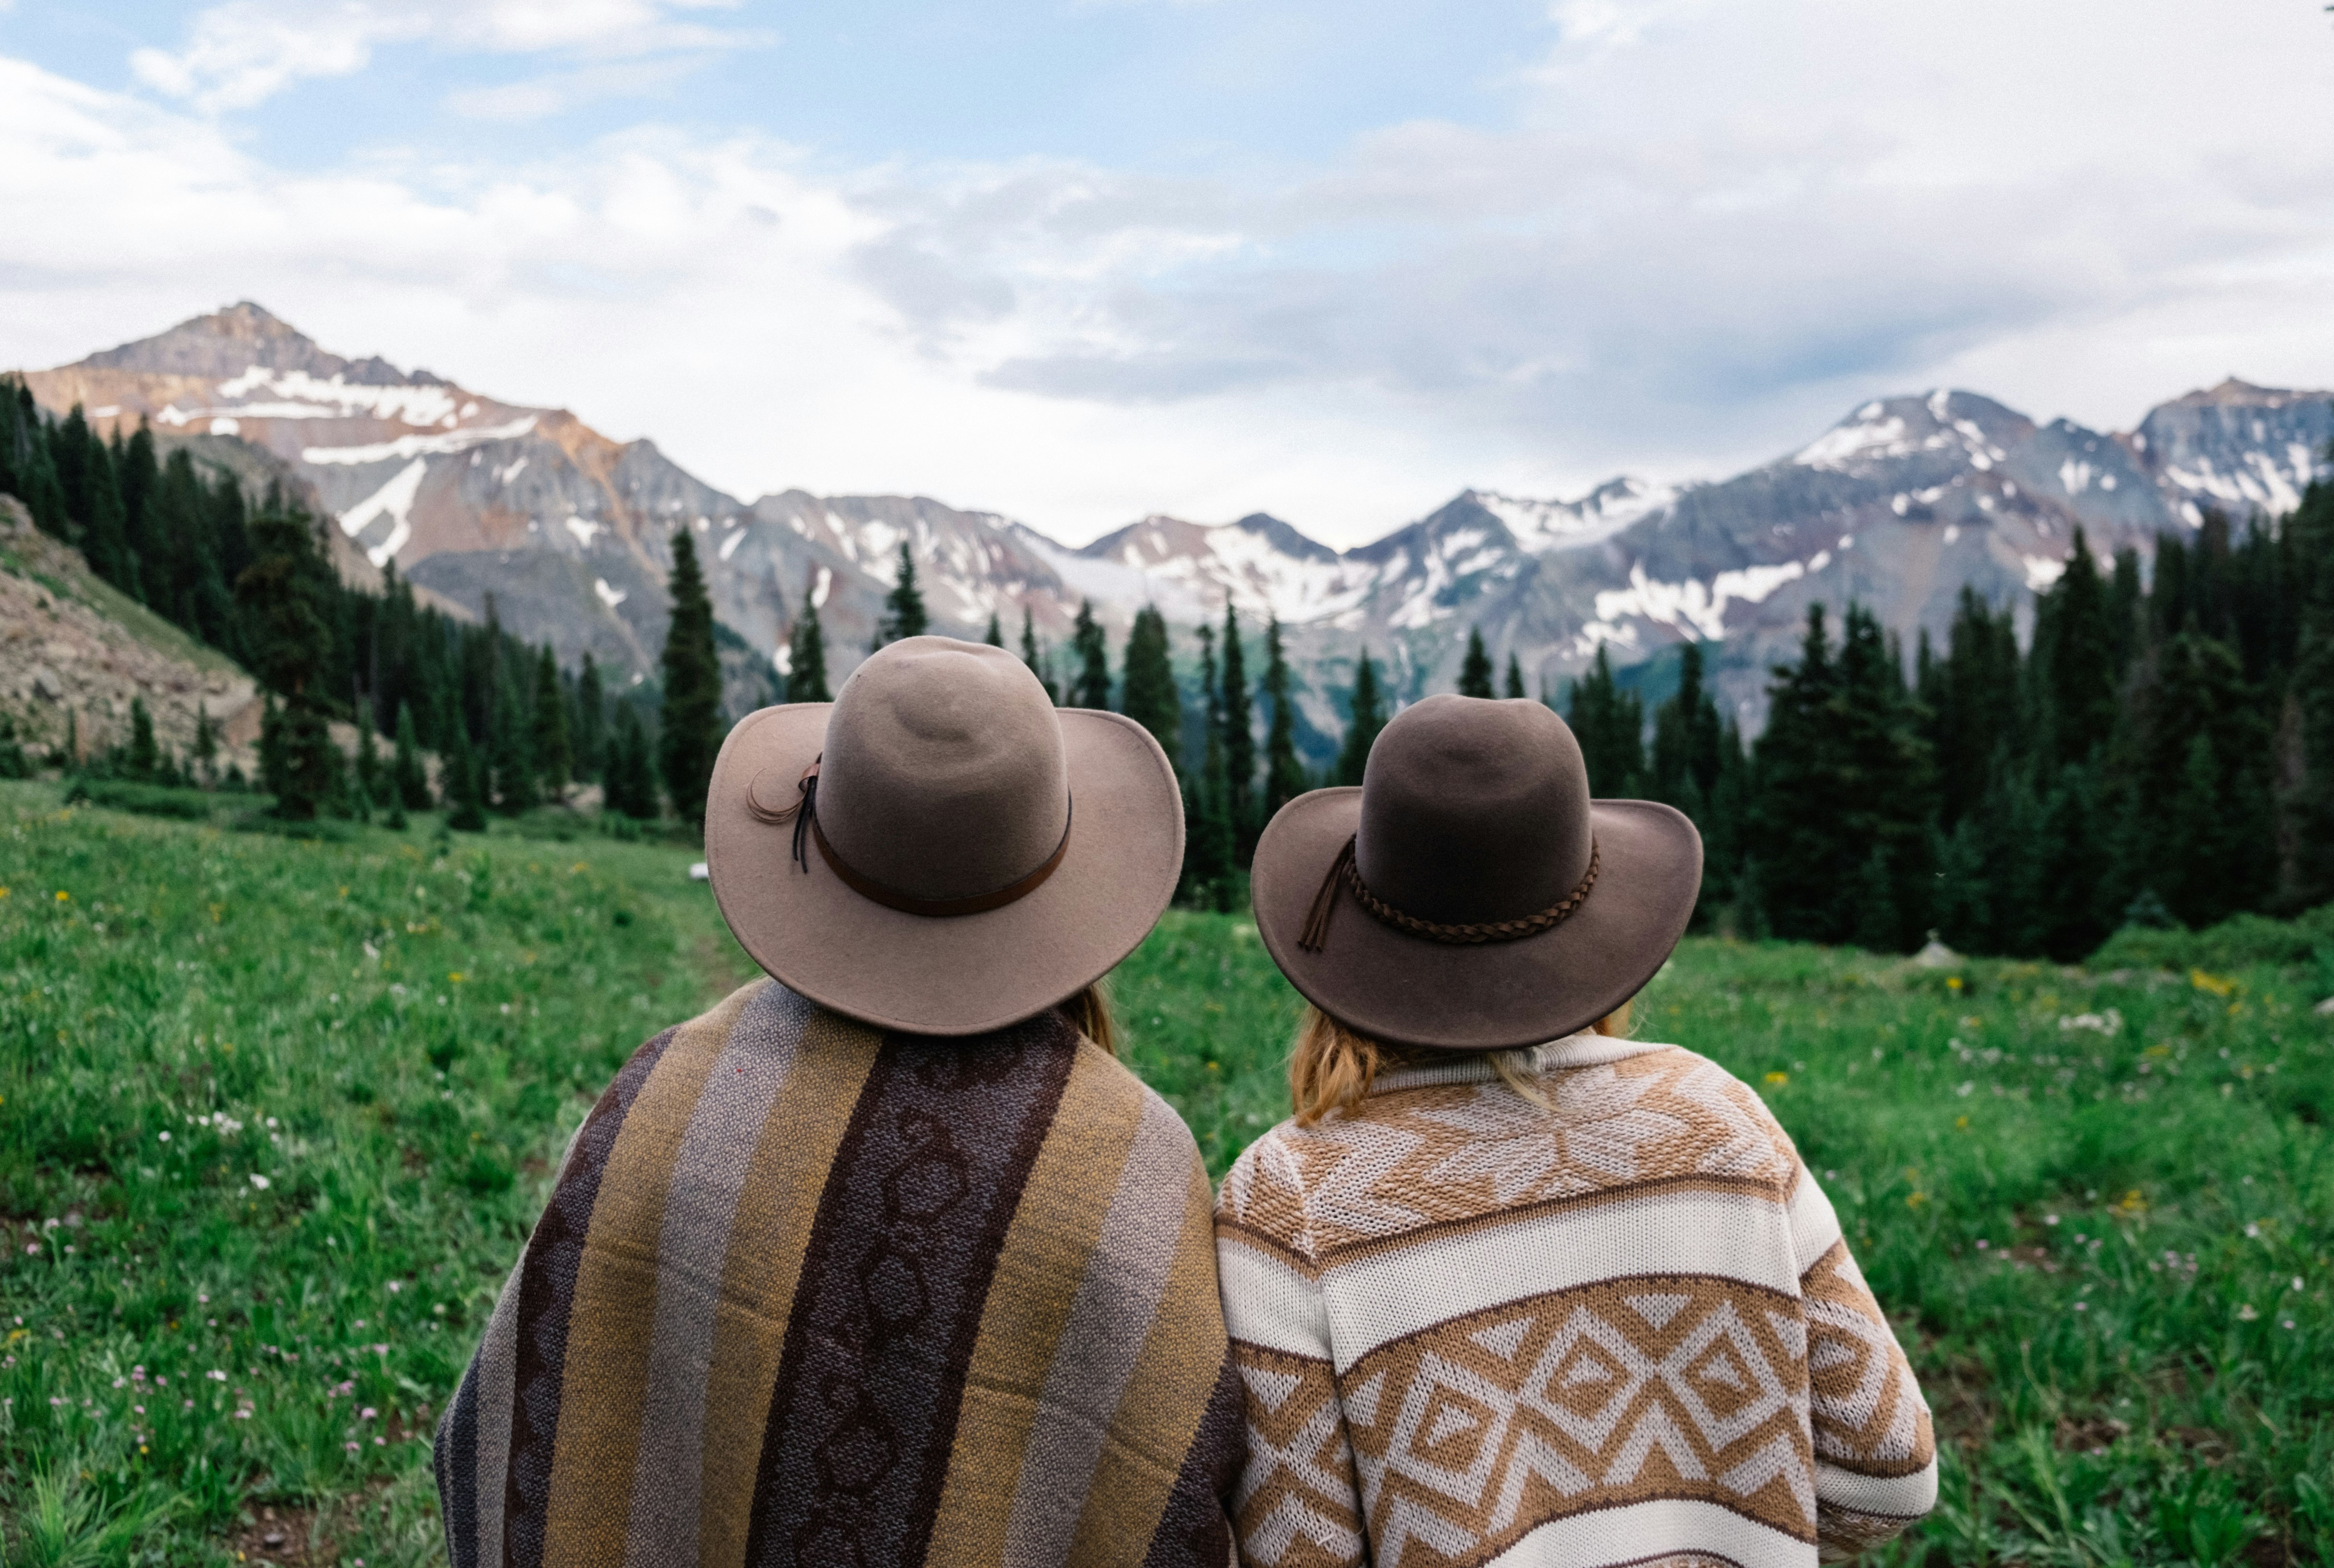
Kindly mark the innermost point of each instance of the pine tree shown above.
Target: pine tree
(1150, 697)
(690, 732)
(2074, 647)
(552, 757)
(2308, 803)
(807, 654)
(632, 776)
(903, 607)
(1239, 744)
(466, 789)
(205, 745)
(995, 634)
(1515, 688)
(1367, 717)
(371, 786)
(510, 741)
(2196, 785)
(1207, 844)
(1284, 775)
(591, 726)
(1475, 670)
(408, 779)
(1034, 658)
(142, 759)
(1685, 740)
(282, 600)
(1610, 725)
(1090, 685)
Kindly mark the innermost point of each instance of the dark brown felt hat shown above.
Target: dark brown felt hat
(968, 855)
(1470, 896)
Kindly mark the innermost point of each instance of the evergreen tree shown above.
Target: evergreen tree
(283, 598)
(1208, 841)
(1239, 744)
(205, 745)
(1151, 700)
(1367, 717)
(690, 728)
(1686, 741)
(1515, 687)
(142, 759)
(1284, 775)
(1610, 725)
(1841, 811)
(510, 741)
(408, 779)
(552, 757)
(995, 634)
(2074, 649)
(632, 776)
(591, 726)
(466, 789)
(371, 787)
(2308, 803)
(1034, 658)
(807, 654)
(1974, 707)
(2195, 786)
(1475, 670)
(903, 607)
(1090, 685)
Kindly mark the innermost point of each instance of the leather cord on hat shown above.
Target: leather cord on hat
(803, 814)
(1346, 871)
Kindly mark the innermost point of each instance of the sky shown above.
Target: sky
(1083, 261)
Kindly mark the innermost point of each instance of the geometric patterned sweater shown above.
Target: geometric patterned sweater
(1623, 1329)
(807, 1292)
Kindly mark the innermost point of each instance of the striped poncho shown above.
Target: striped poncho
(810, 1294)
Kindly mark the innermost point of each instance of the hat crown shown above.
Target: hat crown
(943, 775)
(1474, 810)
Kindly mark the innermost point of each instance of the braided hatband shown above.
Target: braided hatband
(1481, 931)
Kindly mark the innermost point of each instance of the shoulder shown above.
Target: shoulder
(1723, 1117)
(1262, 1200)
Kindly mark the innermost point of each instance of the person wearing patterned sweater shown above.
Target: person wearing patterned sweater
(1572, 1302)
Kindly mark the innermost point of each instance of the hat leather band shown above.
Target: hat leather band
(803, 814)
(1344, 870)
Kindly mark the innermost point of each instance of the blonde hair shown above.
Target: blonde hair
(1332, 1067)
(1089, 1012)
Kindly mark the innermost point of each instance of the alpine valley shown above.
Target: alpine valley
(1898, 507)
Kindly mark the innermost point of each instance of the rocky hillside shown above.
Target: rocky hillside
(1900, 504)
(74, 653)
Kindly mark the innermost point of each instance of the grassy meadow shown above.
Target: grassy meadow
(274, 1116)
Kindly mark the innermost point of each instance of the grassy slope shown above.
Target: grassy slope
(2121, 1384)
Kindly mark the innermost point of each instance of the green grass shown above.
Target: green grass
(2085, 1197)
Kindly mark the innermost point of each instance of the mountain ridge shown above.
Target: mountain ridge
(1900, 504)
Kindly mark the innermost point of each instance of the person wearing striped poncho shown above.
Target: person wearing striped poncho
(885, 1260)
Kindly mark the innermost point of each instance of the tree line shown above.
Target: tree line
(510, 728)
(2159, 748)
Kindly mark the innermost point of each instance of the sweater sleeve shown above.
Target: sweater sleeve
(1876, 1451)
(1300, 1498)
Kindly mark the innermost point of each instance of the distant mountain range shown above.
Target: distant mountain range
(1898, 505)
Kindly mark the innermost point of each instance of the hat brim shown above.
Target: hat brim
(1406, 990)
(960, 974)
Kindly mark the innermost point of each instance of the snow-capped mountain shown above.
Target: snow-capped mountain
(1899, 505)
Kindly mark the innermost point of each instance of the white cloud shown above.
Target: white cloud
(1709, 228)
(242, 53)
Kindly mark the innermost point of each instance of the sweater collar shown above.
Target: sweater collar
(1585, 1048)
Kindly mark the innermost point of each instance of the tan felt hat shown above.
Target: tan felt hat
(939, 849)
(1470, 896)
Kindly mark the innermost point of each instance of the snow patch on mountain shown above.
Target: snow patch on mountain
(415, 446)
(1540, 526)
(393, 501)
